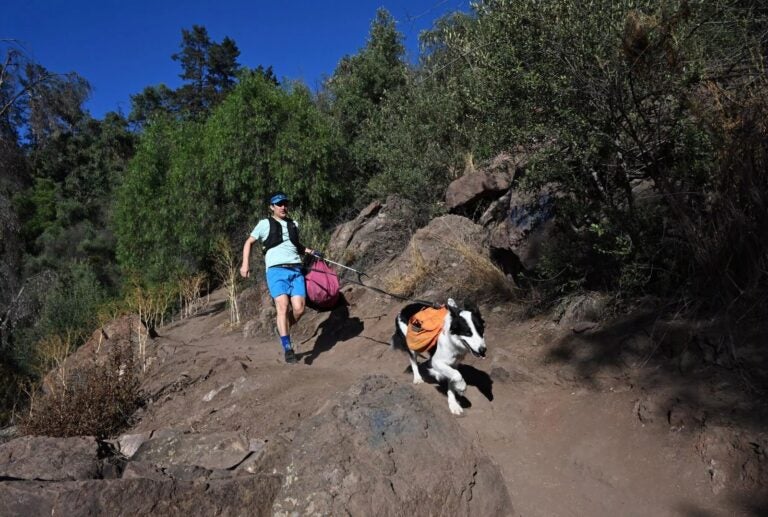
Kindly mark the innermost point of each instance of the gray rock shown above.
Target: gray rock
(143, 469)
(212, 451)
(527, 226)
(377, 234)
(128, 444)
(380, 449)
(251, 495)
(50, 459)
(425, 268)
(488, 182)
(476, 185)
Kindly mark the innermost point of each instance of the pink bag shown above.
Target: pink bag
(322, 285)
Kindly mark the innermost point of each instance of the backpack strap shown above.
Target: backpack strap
(276, 236)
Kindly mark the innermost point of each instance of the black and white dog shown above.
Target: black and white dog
(462, 332)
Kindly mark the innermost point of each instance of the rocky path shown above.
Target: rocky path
(565, 443)
(557, 423)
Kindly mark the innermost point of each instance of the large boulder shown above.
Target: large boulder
(380, 449)
(164, 495)
(520, 224)
(486, 183)
(448, 257)
(50, 459)
(526, 226)
(95, 352)
(378, 234)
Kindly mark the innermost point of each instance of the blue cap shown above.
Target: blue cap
(277, 198)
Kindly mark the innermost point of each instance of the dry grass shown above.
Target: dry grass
(226, 268)
(151, 305)
(50, 354)
(189, 290)
(97, 400)
(479, 277)
(483, 275)
(406, 284)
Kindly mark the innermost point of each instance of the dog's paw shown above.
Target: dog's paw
(455, 408)
(418, 381)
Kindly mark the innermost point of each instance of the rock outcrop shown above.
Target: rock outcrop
(519, 223)
(448, 257)
(379, 449)
(379, 233)
(376, 449)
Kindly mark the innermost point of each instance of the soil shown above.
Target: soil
(602, 420)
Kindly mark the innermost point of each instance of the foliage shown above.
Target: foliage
(211, 178)
(358, 87)
(361, 82)
(64, 212)
(56, 106)
(209, 70)
(618, 98)
(71, 306)
(36, 100)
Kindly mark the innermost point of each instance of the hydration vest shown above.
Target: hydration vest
(276, 235)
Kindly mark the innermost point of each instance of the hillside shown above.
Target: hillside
(572, 417)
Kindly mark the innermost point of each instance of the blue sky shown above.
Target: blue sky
(122, 46)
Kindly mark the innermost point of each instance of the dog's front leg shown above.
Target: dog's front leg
(417, 379)
(456, 384)
(453, 403)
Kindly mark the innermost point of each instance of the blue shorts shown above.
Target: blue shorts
(286, 280)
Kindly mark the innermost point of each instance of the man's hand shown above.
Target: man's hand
(245, 272)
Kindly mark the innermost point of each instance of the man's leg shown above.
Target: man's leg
(298, 304)
(283, 325)
(279, 288)
(298, 291)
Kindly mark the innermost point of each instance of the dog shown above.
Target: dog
(462, 331)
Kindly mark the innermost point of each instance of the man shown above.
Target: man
(280, 239)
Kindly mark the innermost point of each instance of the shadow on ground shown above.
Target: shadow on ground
(336, 328)
(722, 370)
(472, 376)
(707, 378)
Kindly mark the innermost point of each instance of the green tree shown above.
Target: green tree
(208, 68)
(152, 101)
(362, 81)
(358, 87)
(191, 180)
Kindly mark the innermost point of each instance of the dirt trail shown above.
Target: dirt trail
(566, 445)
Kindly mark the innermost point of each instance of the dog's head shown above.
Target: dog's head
(468, 327)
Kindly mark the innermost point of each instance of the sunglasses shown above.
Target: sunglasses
(281, 203)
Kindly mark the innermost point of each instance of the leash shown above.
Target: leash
(359, 281)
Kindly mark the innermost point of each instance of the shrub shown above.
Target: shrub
(95, 400)
(72, 304)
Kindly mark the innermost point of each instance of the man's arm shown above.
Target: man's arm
(246, 265)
